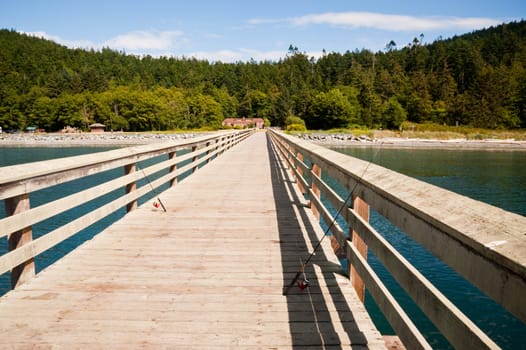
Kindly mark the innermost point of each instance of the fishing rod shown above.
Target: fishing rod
(305, 283)
(153, 189)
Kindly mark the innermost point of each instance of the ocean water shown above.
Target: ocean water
(494, 177)
(20, 155)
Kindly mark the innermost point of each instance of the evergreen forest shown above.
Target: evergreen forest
(477, 79)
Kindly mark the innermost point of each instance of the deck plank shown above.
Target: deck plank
(208, 273)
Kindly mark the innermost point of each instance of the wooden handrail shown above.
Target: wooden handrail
(485, 244)
(17, 182)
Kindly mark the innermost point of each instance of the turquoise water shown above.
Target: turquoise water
(20, 155)
(494, 177)
(498, 178)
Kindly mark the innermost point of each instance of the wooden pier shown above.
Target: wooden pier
(212, 270)
(208, 273)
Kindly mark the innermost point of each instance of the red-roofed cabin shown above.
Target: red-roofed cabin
(244, 123)
(97, 128)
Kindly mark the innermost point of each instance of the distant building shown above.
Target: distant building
(69, 130)
(244, 122)
(97, 128)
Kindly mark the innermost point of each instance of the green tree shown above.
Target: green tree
(204, 111)
(352, 94)
(419, 103)
(229, 103)
(43, 113)
(172, 107)
(330, 110)
(255, 104)
(394, 114)
(68, 111)
(294, 120)
(474, 79)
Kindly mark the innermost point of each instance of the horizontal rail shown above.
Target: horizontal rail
(18, 179)
(460, 231)
(17, 182)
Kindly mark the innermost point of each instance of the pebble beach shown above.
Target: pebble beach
(347, 140)
(88, 139)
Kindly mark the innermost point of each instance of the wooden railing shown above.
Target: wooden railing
(17, 182)
(485, 244)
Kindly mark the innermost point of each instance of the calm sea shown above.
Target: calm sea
(494, 177)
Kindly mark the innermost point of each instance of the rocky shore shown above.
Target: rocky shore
(88, 139)
(347, 140)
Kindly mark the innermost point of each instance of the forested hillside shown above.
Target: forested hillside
(477, 79)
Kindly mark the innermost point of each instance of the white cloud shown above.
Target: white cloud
(384, 21)
(273, 55)
(230, 56)
(146, 40)
(220, 55)
(65, 42)
(214, 36)
(245, 55)
(137, 41)
(159, 43)
(227, 56)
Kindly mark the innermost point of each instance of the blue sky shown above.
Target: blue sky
(232, 31)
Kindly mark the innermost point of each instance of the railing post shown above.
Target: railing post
(194, 159)
(362, 209)
(132, 186)
(25, 271)
(219, 141)
(300, 172)
(227, 143)
(173, 168)
(316, 170)
(286, 147)
(208, 152)
(291, 161)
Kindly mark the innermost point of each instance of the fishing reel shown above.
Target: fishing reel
(303, 283)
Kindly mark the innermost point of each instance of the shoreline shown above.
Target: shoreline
(336, 141)
(118, 139)
(456, 144)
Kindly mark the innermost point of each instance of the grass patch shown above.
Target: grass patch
(429, 131)
(438, 131)
(355, 132)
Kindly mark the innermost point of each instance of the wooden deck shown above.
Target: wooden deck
(208, 273)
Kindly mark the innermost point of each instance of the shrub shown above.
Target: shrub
(291, 119)
(296, 127)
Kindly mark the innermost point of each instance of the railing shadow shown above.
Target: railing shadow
(310, 320)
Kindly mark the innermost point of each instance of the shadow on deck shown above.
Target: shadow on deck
(310, 314)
